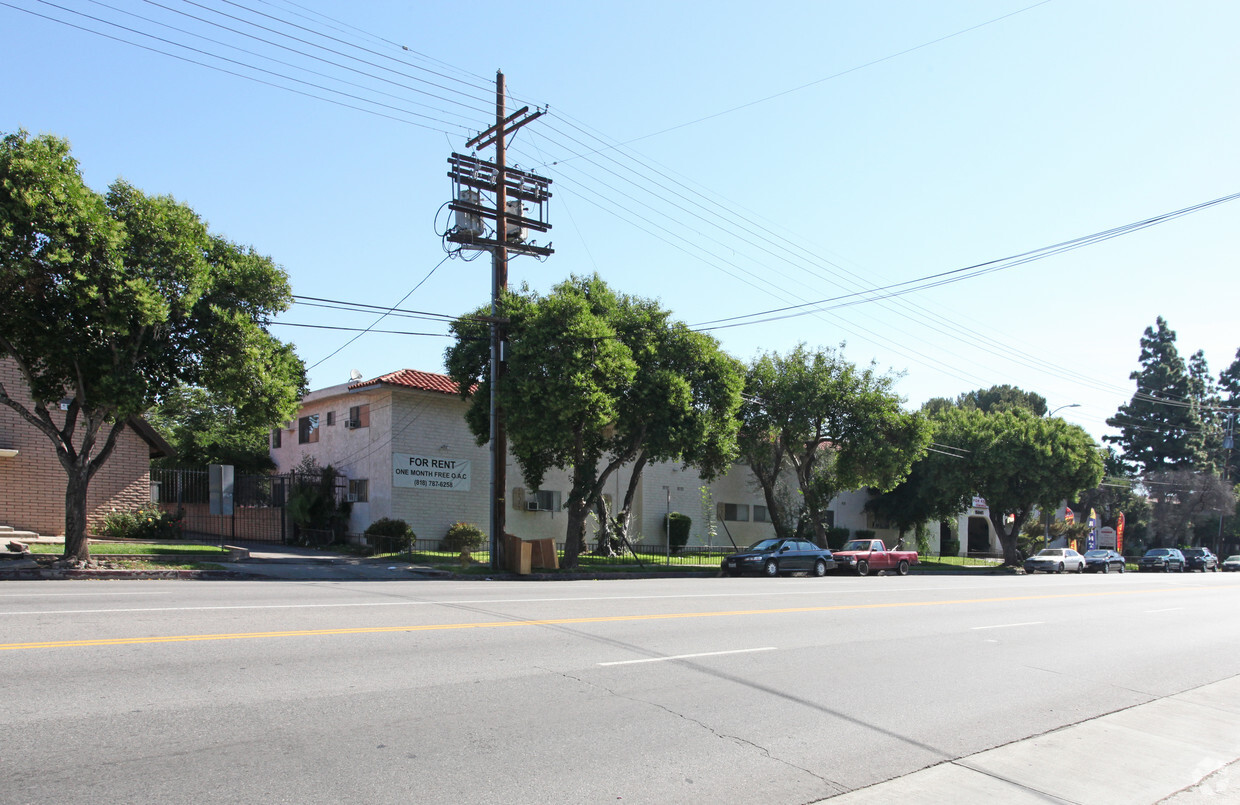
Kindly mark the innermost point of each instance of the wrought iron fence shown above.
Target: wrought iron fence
(260, 504)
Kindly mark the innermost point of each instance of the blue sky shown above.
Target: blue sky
(725, 158)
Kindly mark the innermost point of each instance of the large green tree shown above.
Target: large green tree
(113, 301)
(1160, 428)
(815, 417)
(596, 380)
(1017, 461)
(204, 429)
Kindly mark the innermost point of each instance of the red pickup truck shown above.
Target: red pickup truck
(866, 556)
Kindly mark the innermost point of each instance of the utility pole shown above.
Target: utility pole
(471, 178)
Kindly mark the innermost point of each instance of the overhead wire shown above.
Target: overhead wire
(240, 6)
(224, 70)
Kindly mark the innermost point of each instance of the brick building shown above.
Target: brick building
(32, 481)
(402, 442)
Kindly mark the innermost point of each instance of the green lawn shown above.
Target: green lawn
(132, 548)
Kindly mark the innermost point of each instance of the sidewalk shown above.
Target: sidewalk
(295, 563)
(1180, 750)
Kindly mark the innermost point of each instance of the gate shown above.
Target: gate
(259, 505)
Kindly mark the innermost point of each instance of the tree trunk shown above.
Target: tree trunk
(76, 544)
(604, 546)
(574, 539)
(1007, 538)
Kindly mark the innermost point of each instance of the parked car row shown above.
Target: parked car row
(1166, 560)
(776, 556)
(772, 557)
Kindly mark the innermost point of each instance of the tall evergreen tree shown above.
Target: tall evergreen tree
(1229, 399)
(1204, 395)
(1160, 428)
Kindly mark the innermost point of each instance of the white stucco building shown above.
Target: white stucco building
(402, 442)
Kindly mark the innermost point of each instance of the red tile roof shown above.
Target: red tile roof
(411, 379)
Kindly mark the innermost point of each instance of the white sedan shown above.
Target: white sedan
(1055, 560)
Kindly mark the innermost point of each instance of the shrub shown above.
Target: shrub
(463, 538)
(677, 530)
(387, 532)
(950, 547)
(145, 522)
(836, 537)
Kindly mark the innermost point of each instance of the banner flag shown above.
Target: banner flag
(1068, 516)
(1119, 533)
(1092, 541)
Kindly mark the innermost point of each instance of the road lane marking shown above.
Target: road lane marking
(1172, 609)
(1009, 625)
(125, 641)
(447, 602)
(690, 656)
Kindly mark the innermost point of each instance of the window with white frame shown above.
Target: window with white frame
(735, 512)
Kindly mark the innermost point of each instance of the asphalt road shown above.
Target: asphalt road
(646, 691)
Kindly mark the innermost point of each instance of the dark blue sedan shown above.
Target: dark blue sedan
(771, 557)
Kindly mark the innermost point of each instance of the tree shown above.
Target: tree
(1182, 498)
(1229, 398)
(1118, 493)
(595, 381)
(833, 427)
(1017, 461)
(1160, 427)
(998, 397)
(204, 429)
(113, 301)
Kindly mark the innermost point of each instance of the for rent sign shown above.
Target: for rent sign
(428, 472)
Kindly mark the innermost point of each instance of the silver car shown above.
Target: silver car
(1055, 560)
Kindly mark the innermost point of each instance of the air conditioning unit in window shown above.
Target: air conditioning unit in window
(531, 505)
(352, 423)
(351, 497)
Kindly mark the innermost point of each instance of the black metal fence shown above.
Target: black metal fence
(260, 504)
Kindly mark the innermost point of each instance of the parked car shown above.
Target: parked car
(1055, 560)
(1104, 561)
(865, 556)
(1202, 559)
(1164, 559)
(770, 557)
(1232, 562)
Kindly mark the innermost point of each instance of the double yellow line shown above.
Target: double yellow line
(130, 641)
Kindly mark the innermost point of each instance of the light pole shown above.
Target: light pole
(1046, 534)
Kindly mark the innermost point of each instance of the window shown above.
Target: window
(543, 501)
(308, 429)
(736, 512)
(359, 491)
(359, 416)
(760, 515)
(331, 418)
(275, 438)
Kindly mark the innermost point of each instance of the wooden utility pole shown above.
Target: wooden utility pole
(522, 187)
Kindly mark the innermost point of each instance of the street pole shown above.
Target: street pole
(1046, 535)
(499, 284)
(667, 528)
(475, 177)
